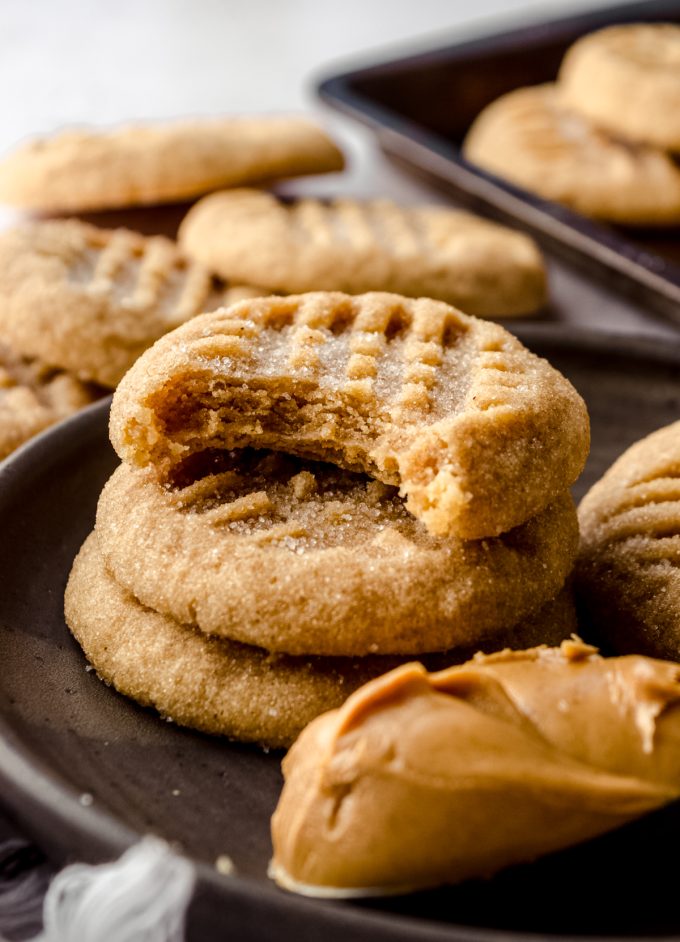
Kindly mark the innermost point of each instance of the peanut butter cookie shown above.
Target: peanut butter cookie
(629, 561)
(92, 300)
(374, 245)
(478, 433)
(626, 80)
(216, 685)
(34, 396)
(138, 165)
(530, 138)
(303, 558)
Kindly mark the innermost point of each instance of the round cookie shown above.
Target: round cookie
(626, 80)
(34, 396)
(478, 433)
(366, 245)
(91, 300)
(628, 571)
(302, 558)
(218, 686)
(138, 165)
(531, 139)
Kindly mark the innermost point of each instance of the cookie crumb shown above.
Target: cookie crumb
(224, 865)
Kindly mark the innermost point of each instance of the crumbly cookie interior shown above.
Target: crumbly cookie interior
(331, 393)
(283, 500)
(414, 394)
(322, 392)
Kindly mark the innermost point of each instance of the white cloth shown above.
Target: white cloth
(142, 897)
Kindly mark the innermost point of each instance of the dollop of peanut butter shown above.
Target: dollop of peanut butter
(424, 779)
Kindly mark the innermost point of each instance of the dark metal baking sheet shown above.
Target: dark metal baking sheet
(421, 107)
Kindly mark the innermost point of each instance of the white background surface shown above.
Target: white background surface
(65, 62)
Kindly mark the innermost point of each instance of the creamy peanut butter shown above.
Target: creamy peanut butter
(423, 779)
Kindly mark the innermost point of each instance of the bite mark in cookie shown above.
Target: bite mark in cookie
(478, 433)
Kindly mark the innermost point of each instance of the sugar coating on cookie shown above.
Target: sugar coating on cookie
(138, 165)
(478, 433)
(91, 300)
(371, 245)
(34, 396)
(222, 687)
(530, 138)
(626, 79)
(304, 558)
(629, 561)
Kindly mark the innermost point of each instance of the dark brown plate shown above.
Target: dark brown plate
(63, 734)
(422, 106)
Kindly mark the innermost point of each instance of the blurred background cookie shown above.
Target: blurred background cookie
(34, 396)
(626, 80)
(529, 137)
(91, 300)
(133, 165)
(371, 245)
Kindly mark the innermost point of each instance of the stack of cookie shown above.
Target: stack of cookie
(315, 488)
(602, 139)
